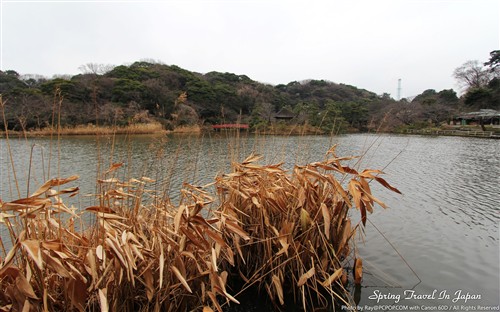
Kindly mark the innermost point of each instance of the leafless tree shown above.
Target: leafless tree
(95, 68)
(62, 76)
(265, 110)
(471, 75)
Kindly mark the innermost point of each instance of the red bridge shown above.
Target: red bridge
(231, 126)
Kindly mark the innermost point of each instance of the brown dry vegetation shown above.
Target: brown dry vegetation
(187, 129)
(287, 233)
(138, 128)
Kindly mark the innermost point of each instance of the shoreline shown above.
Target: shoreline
(455, 133)
(146, 128)
(157, 129)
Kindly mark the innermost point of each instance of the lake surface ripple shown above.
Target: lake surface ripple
(445, 225)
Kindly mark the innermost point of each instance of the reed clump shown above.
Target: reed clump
(297, 229)
(286, 233)
(135, 257)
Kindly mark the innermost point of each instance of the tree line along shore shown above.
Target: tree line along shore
(151, 97)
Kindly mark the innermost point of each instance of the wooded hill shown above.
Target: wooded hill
(150, 91)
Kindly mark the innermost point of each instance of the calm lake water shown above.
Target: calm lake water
(436, 246)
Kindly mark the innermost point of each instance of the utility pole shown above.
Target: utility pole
(399, 89)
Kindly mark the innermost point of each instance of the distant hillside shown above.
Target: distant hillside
(148, 91)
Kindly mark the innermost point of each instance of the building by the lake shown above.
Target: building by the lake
(482, 117)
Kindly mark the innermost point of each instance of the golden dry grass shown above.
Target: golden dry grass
(288, 233)
(140, 128)
(187, 129)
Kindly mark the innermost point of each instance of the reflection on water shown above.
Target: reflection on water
(445, 224)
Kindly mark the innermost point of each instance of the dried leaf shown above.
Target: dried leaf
(250, 159)
(8, 259)
(216, 238)
(362, 209)
(178, 218)
(117, 251)
(57, 182)
(110, 216)
(33, 248)
(305, 219)
(24, 203)
(326, 219)
(284, 249)
(4, 216)
(10, 271)
(55, 245)
(77, 292)
(65, 191)
(236, 242)
(148, 180)
(76, 273)
(99, 209)
(279, 289)
(148, 281)
(237, 230)
(24, 287)
(42, 189)
(387, 185)
(51, 183)
(344, 278)
(332, 278)
(161, 264)
(103, 301)
(26, 306)
(181, 278)
(92, 264)
(113, 167)
(99, 252)
(214, 300)
(111, 180)
(230, 297)
(301, 197)
(304, 277)
(196, 239)
(55, 264)
(373, 198)
(368, 173)
(214, 260)
(349, 170)
(345, 232)
(255, 201)
(355, 192)
(358, 271)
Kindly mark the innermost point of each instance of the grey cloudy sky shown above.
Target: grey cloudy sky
(366, 43)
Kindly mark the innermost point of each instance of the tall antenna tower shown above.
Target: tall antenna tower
(399, 89)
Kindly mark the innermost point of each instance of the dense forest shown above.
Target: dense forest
(149, 91)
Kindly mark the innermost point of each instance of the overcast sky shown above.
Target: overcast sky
(366, 43)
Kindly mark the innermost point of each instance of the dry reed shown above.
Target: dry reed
(187, 129)
(287, 233)
(138, 128)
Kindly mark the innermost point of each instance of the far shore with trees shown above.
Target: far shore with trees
(148, 96)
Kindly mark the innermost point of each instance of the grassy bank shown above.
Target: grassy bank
(140, 128)
(152, 127)
(188, 129)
